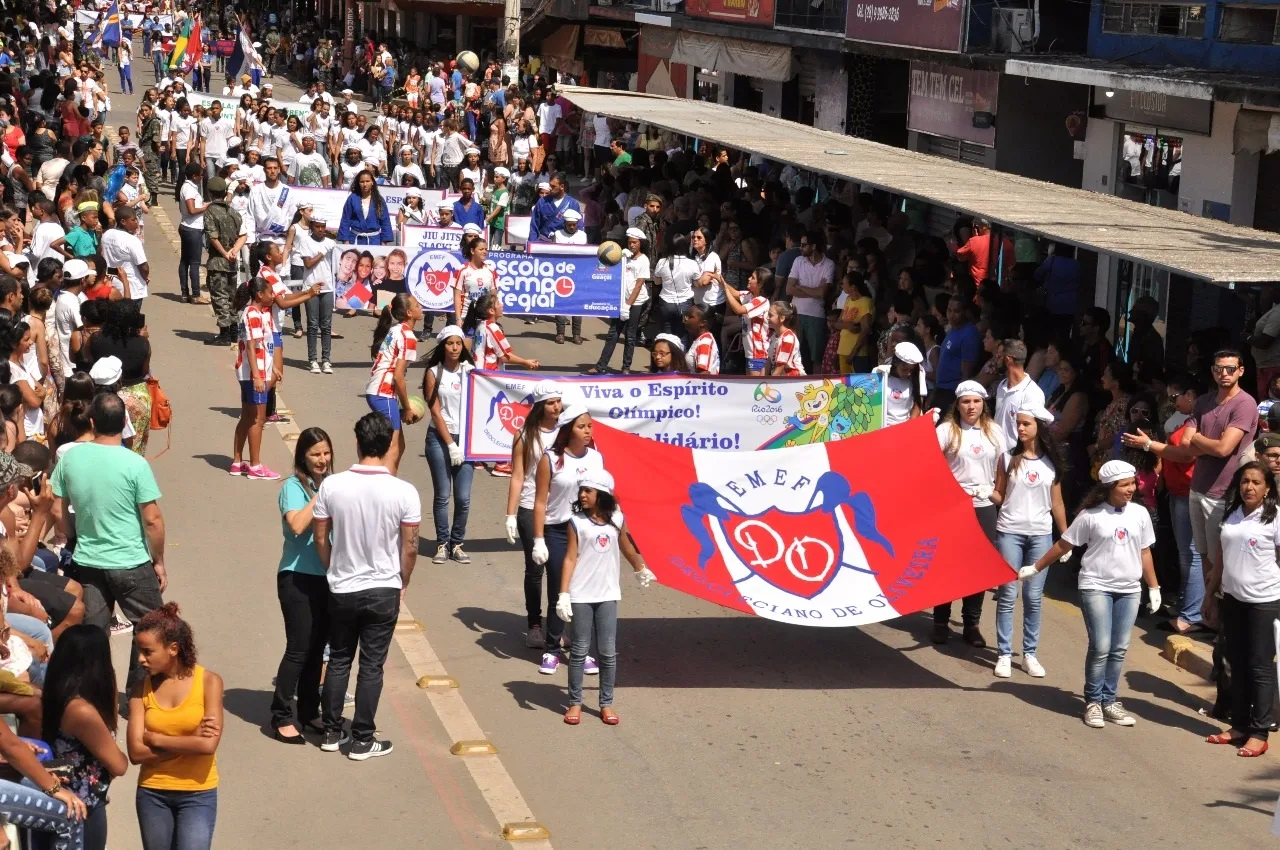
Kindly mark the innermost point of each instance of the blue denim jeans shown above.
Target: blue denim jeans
(320, 326)
(1192, 591)
(31, 808)
(1021, 550)
(1108, 619)
(33, 628)
(599, 620)
(177, 819)
(447, 479)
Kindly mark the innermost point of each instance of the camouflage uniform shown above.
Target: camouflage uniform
(221, 223)
(149, 139)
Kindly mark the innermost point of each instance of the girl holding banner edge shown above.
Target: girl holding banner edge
(538, 431)
(442, 384)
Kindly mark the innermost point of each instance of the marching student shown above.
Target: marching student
(492, 350)
(1029, 481)
(972, 444)
(667, 355)
(905, 387)
(590, 589)
(394, 346)
(755, 310)
(442, 388)
(784, 345)
(254, 356)
(1119, 535)
(266, 258)
(571, 456)
(472, 280)
(537, 433)
(703, 354)
(635, 294)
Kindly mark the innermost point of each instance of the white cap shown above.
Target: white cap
(73, 269)
(344, 91)
(1038, 411)
(572, 215)
(413, 192)
(671, 340)
(1116, 470)
(471, 227)
(547, 390)
(473, 150)
(15, 259)
(570, 413)
(599, 480)
(907, 352)
(636, 233)
(543, 185)
(449, 331)
(500, 171)
(445, 204)
(971, 388)
(108, 370)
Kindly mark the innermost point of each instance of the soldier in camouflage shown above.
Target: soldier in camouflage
(223, 240)
(149, 139)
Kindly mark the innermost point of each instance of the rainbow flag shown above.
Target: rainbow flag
(188, 48)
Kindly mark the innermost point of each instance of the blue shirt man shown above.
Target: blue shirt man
(548, 213)
(961, 348)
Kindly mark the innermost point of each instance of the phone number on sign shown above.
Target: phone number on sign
(871, 12)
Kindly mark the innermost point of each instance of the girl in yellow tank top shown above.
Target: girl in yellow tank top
(175, 725)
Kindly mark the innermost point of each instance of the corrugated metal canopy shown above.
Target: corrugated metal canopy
(1184, 244)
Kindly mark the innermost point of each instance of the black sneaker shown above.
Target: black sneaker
(333, 740)
(372, 748)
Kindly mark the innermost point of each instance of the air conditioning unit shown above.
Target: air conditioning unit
(1012, 30)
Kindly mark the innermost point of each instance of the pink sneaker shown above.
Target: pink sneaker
(262, 473)
(239, 468)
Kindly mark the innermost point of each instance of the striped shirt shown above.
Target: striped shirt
(254, 339)
(400, 344)
(785, 352)
(704, 355)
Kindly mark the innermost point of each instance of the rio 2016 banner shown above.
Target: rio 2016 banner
(702, 412)
(545, 285)
(830, 534)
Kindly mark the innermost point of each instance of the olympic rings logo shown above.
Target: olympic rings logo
(766, 418)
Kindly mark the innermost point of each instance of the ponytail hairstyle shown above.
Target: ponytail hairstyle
(170, 628)
(258, 255)
(247, 292)
(786, 312)
(479, 311)
(396, 311)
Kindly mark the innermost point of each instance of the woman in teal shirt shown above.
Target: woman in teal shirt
(303, 591)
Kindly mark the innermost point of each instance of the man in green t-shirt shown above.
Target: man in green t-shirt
(115, 518)
(85, 237)
(620, 156)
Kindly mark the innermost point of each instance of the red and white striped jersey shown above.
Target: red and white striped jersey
(473, 282)
(757, 328)
(785, 350)
(491, 345)
(704, 355)
(400, 344)
(277, 289)
(254, 332)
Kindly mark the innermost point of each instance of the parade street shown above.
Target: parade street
(736, 731)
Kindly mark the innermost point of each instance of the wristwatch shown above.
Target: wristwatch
(57, 786)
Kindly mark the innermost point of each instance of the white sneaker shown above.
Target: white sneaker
(1033, 667)
(315, 367)
(1093, 715)
(1004, 666)
(1115, 713)
(327, 367)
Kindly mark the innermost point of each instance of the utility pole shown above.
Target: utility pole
(509, 48)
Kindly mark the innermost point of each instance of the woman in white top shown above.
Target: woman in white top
(708, 291)
(590, 589)
(904, 385)
(191, 205)
(1028, 480)
(442, 387)
(1249, 581)
(1119, 535)
(635, 293)
(570, 457)
(676, 273)
(972, 444)
(539, 429)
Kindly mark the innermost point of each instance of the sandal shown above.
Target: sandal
(1224, 738)
(592, 371)
(1247, 753)
(609, 717)
(297, 333)
(572, 719)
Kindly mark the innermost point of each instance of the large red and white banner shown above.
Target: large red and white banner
(829, 534)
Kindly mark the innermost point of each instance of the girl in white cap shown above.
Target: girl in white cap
(667, 355)
(635, 292)
(411, 211)
(537, 433)
(905, 388)
(572, 456)
(1029, 481)
(442, 383)
(972, 444)
(1119, 535)
(590, 588)
(472, 170)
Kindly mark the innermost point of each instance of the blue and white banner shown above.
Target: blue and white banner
(417, 238)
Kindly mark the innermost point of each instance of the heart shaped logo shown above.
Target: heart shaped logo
(1253, 543)
(1121, 534)
(602, 543)
(977, 450)
(437, 280)
(512, 416)
(1033, 477)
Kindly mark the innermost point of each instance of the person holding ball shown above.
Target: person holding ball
(394, 346)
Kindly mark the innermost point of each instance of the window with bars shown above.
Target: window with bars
(1250, 25)
(1180, 20)
(819, 15)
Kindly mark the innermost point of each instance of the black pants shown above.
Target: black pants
(533, 575)
(304, 602)
(365, 619)
(971, 608)
(135, 590)
(626, 328)
(1251, 649)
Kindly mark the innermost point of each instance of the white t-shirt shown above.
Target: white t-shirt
(548, 115)
(1115, 538)
(633, 269)
(449, 391)
(713, 294)
(66, 320)
(321, 272)
(190, 192)
(676, 275)
(366, 506)
(812, 275)
(1009, 400)
(46, 233)
(34, 417)
(898, 400)
(215, 135)
(603, 136)
(349, 171)
(563, 491)
(974, 463)
(529, 487)
(577, 237)
(596, 573)
(1028, 497)
(124, 251)
(182, 127)
(1249, 569)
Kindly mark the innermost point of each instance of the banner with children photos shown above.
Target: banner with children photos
(367, 277)
(727, 413)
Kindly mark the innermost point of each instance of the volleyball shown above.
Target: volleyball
(468, 62)
(418, 405)
(610, 254)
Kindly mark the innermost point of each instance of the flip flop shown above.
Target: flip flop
(572, 719)
(610, 719)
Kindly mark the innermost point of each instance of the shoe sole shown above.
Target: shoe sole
(1129, 722)
(326, 748)
(544, 671)
(372, 754)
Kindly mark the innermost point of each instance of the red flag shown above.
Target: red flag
(831, 534)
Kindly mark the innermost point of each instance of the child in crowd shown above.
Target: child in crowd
(254, 358)
(703, 354)
(394, 347)
(784, 347)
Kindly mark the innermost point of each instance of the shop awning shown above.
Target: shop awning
(1201, 248)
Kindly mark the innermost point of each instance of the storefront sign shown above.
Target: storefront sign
(933, 24)
(740, 11)
(1155, 109)
(945, 100)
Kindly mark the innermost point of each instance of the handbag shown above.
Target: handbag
(161, 410)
